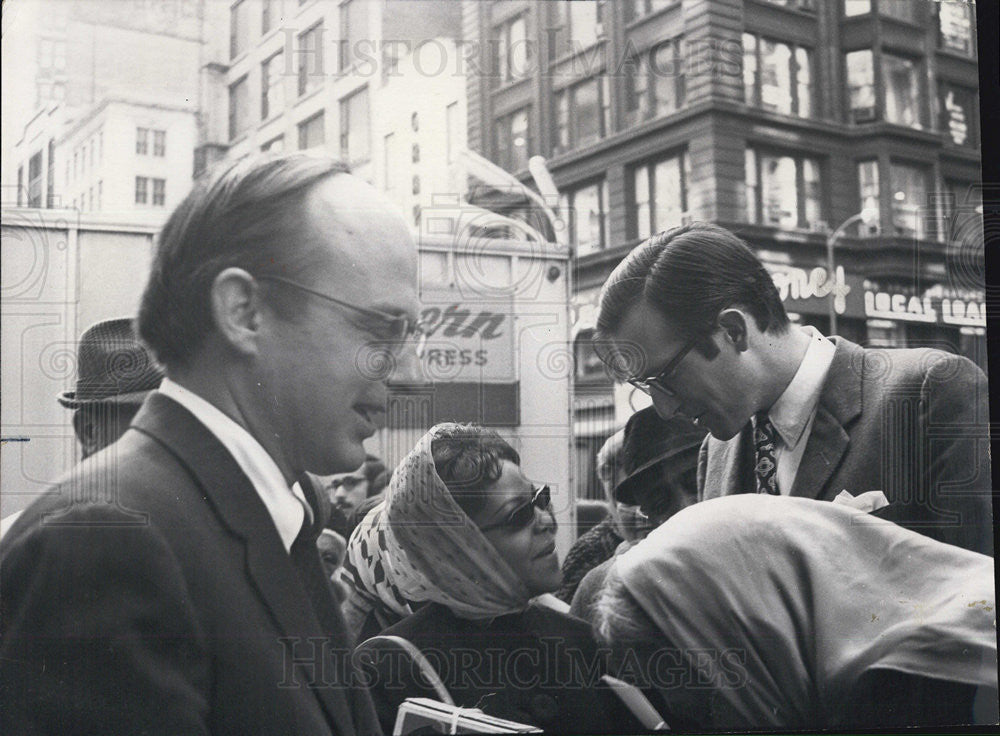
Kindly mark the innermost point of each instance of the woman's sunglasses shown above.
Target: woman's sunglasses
(524, 514)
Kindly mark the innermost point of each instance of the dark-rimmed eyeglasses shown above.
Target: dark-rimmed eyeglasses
(524, 514)
(400, 328)
(659, 381)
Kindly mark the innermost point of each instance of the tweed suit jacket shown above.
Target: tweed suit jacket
(149, 592)
(913, 423)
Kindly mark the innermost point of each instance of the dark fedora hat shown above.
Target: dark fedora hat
(651, 441)
(112, 366)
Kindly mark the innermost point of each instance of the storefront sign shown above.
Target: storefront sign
(467, 342)
(809, 290)
(938, 304)
(893, 305)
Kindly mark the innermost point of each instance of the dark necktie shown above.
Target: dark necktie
(765, 464)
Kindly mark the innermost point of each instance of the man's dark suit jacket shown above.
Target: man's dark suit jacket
(173, 608)
(913, 423)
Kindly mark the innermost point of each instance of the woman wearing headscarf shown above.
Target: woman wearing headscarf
(469, 534)
(758, 611)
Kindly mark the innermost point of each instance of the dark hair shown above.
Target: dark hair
(469, 459)
(245, 214)
(690, 274)
(375, 473)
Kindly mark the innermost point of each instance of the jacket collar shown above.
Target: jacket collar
(235, 502)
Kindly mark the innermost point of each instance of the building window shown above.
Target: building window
(312, 132)
(159, 192)
(869, 188)
(783, 191)
(100, 195)
(656, 86)
(388, 157)
(20, 186)
(907, 10)
(355, 130)
(797, 4)
(582, 113)
(588, 222)
(35, 180)
(639, 8)
(239, 108)
(955, 26)
(900, 77)
(659, 196)
(451, 131)
(239, 29)
(141, 189)
(589, 366)
(513, 140)
(777, 76)
(141, 142)
(861, 85)
(353, 31)
(159, 143)
(272, 86)
(311, 46)
(513, 49)
(50, 184)
(909, 200)
(270, 13)
(579, 24)
(275, 145)
(958, 115)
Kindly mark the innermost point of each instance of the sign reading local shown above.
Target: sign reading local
(467, 341)
(937, 304)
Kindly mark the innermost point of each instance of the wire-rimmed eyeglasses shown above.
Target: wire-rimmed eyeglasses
(400, 327)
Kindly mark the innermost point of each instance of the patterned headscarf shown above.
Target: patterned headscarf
(367, 574)
(436, 552)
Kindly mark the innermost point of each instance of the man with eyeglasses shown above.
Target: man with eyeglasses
(692, 318)
(175, 586)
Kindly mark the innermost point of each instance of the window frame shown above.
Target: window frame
(240, 86)
(304, 125)
(505, 154)
(568, 93)
(344, 111)
(569, 206)
(794, 83)
(761, 151)
(303, 85)
(649, 166)
(141, 190)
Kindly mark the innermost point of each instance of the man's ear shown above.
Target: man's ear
(236, 309)
(733, 323)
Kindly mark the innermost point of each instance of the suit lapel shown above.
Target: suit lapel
(238, 506)
(839, 404)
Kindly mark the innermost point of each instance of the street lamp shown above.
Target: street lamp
(489, 173)
(868, 216)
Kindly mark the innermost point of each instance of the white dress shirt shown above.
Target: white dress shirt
(287, 506)
(795, 410)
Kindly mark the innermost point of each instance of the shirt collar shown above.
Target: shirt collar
(794, 408)
(286, 506)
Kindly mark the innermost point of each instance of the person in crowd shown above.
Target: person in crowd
(471, 535)
(695, 320)
(187, 596)
(659, 464)
(115, 374)
(787, 613)
(624, 523)
(347, 491)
